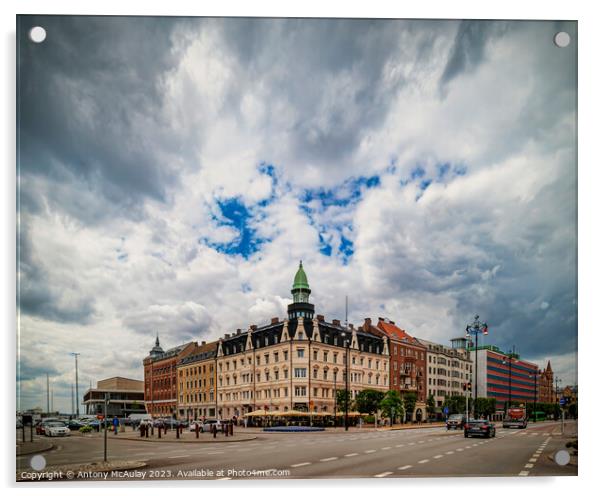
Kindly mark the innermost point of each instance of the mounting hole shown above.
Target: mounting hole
(562, 457)
(562, 39)
(37, 34)
(37, 462)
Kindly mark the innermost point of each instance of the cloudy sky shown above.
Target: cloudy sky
(172, 173)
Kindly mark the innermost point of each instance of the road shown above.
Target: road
(336, 454)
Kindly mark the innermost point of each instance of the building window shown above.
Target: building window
(285, 353)
(300, 390)
(300, 372)
(300, 352)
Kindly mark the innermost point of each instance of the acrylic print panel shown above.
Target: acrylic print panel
(295, 248)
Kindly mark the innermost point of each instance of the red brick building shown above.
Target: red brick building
(160, 378)
(545, 385)
(407, 367)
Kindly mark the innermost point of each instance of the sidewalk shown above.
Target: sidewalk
(37, 446)
(170, 437)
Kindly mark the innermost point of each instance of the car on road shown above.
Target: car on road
(483, 428)
(53, 429)
(41, 425)
(75, 425)
(205, 425)
(455, 421)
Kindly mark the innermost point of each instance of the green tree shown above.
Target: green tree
(409, 402)
(430, 406)
(392, 405)
(368, 401)
(456, 403)
(341, 394)
(484, 406)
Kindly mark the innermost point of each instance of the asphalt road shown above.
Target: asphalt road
(366, 453)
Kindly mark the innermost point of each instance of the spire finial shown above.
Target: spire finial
(157, 340)
(300, 263)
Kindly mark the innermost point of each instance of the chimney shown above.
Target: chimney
(254, 327)
(336, 322)
(203, 343)
(227, 336)
(320, 318)
(368, 323)
(274, 320)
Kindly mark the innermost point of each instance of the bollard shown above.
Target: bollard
(152, 429)
(231, 429)
(141, 431)
(196, 430)
(159, 431)
(226, 428)
(214, 429)
(177, 432)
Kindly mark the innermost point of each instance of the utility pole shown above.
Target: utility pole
(105, 425)
(47, 394)
(76, 385)
(72, 401)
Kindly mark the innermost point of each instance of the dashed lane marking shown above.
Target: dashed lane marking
(348, 455)
(329, 459)
(300, 464)
(528, 465)
(179, 456)
(459, 449)
(386, 448)
(399, 445)
(405, 467)
(424, 461)
(384, 474)
(370, 451)
(438, 456)
(449, 452)
(523, 473)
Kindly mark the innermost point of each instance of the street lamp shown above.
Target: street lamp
(508, 361)
(346, 343)
(76, 385)
(534, 377)
(475, 329)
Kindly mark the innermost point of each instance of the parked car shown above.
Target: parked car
(479, 428)
(75, 425)
(53, 429)
(455, 421)
(41, 425)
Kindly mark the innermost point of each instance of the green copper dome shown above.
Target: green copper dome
(300, 278)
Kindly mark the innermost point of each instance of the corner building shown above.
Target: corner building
(298, 363)
(196, 382)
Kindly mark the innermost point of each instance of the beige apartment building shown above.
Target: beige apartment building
(298, 363)
(196, 374)
(447, 370)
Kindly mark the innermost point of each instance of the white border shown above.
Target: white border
(589, 239)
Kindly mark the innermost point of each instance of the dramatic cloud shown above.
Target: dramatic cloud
(173, 172)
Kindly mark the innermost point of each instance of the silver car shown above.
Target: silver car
(54, 429)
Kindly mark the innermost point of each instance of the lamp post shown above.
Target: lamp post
(76, 386)
(534, 377)
(346, 345)
(334, 373)
(474, 329)
(508, 361)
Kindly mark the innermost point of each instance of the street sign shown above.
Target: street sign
(562, 401)
(445, 410)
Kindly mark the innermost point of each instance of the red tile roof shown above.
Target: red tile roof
(396, 333)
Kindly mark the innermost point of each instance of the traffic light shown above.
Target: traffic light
(469, 386)
(464, 386)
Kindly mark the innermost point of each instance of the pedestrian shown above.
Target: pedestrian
(115, 424)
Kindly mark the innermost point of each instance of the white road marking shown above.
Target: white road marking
(329, 459)
(370, 451)
(300, 464)
(384, 474)
(528, 465)
(459, 449)
(399, 445)
(438, 456)
(532, 460)
(405, 467)
(449, 452)
(424, 461)
(179, 456)
(523, 473)
(351, 454)
(386, 448)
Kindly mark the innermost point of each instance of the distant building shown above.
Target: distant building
(448, 369)
(545, 385)
(160, 378)
(196, 382)
(126, 396)
(407, 363)
(503, 376)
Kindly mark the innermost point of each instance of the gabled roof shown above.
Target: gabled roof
(394, 332)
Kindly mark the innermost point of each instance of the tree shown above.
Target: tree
(341, 394)
(484, 406)
(368, 401)
(392, 404)
(409, 402)
(430, 406)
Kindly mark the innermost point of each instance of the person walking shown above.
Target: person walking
(115, 424)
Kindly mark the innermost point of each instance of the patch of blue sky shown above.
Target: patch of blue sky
(346, 249)
(235, 214)
(342, 195)
(246, 287)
